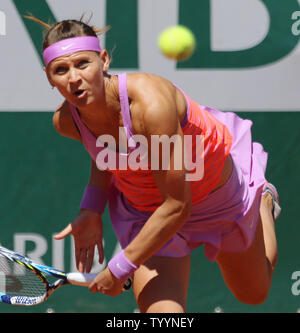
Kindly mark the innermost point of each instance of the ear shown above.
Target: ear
(48, 76)
(104, 60)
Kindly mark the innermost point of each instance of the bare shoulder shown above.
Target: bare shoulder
(144, 86)
(154, 100)
(63, 122)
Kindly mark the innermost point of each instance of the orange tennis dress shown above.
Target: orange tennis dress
(222, 219)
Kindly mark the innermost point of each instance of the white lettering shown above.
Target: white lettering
(58, 254)
(296, 25)
(138, 158)
(296, 285)
(161, 154)
(39, 250)
(128, 323)
(166, 142)
(198, 165)
(106, 158)
(171, 322)
(2, 23)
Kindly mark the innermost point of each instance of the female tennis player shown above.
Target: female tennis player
(160, 214)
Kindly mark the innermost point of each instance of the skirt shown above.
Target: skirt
(225, 220)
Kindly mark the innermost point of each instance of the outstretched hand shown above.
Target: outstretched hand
(87, 231)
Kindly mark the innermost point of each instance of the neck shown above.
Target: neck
(104, 112)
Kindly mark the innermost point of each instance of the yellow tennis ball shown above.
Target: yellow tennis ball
(177, 42)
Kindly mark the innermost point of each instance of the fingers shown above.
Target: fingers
(85, 243)
(101, 252)
(84, 259)
(98, 287)
(80, 255)
(64, 233)
(106, 284)
(89, 259)
(93, 287)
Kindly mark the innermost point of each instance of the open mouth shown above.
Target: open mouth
(79, 93)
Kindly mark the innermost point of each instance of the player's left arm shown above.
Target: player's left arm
(160, 118)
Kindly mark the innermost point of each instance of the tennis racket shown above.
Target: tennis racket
(23, 282)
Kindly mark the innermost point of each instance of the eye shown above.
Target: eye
(82, 63)
(60, 70)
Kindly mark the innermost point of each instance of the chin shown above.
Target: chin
(82, 102)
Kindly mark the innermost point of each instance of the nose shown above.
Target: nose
(74, 76)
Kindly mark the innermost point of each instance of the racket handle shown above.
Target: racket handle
(84, 280)
(80, 279)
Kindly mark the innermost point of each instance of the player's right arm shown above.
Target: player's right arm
(87, 227)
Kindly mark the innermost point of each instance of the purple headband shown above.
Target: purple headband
(71, 45)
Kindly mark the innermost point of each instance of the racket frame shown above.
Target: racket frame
(40, 271)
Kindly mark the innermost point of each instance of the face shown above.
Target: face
(79, 76)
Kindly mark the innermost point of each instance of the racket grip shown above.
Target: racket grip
(80, 279)
(84, 280)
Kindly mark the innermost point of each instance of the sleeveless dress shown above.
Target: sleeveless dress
(224, 219)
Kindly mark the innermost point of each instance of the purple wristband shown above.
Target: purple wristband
(94, 198)
(121, 267)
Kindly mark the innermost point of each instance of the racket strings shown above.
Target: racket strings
(16, 280)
